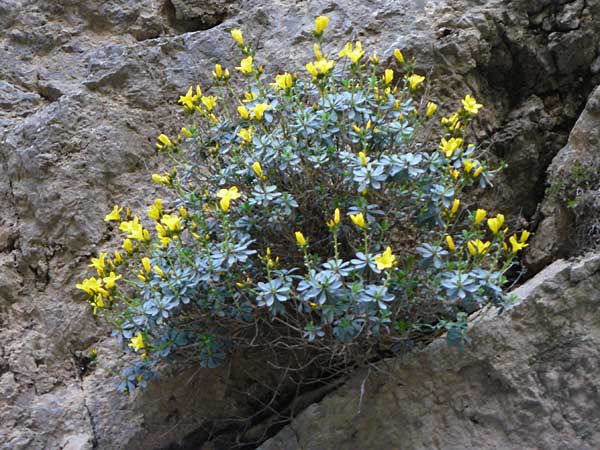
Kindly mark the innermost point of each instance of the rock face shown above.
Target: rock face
(571, 210)
(528, 381)
(86, 86)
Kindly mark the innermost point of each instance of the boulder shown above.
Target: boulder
(527, 380)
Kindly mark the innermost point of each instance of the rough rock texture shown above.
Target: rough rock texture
(528, 381)
(571, 210)
(85, 86)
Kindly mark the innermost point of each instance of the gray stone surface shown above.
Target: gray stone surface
(570, 221)
(528, 381)
(86, 86)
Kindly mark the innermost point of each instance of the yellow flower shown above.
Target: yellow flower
(249, 96)
(324, 66)
(516, 245)
(164, 240)
(92, 286)
(321, 23)
(243, 112)
(114, 215)
(128, 246)
(524, 236)
(237, 36)
(111, 280)
(155, 211)
(226, 196)
(415, 80)
(468, 165)
(375, 58)
(118, 258)
(452, 122)
(161, 230)
(332, 223)
(318, 53)
(190, 100)
(160, 179)
(431, 109)
(283, 81)
(158, 271)
(187, 132)
(245, 134)
(183, 212)
(259, 110)
(399, 56)
(246, 65)
(164, 140)
(209, 102)
(218, 72)
(146, 264)
(450, 146)
(363, 158)
(478, 171)
(477, 247)
(354, 54)
(257, 169)
(358, 220)
(455, 174)
(310, 68)
(495, 223)
(98, 302)
(172, 222)
(470, 105)
(134, 228)
(137, 342)
(450, 243)
(99, 263)
(320, 67)
(388, 76)
(386, 260)
(455, 206)
(187, 100)
(480, 215)
(300, 240)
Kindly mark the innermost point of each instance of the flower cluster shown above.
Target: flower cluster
(309, 206)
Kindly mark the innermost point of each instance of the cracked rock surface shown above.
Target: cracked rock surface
(85, 87)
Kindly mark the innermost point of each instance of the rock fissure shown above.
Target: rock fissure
(92, 424)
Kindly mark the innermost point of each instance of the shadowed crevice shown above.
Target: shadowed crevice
(186, 17)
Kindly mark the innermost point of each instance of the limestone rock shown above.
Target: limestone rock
(87, 86)
(527, 381)
(570, 219)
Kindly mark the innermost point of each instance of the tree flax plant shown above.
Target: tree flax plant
(308, 222)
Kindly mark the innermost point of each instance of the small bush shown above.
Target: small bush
(308, 218)
(577, 187)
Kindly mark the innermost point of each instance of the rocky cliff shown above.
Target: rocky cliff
(86, 86)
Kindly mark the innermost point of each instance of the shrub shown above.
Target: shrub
(577, 187)
(308, 217)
